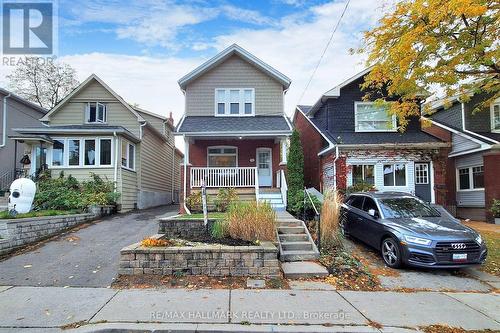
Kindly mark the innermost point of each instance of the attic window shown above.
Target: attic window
(372, 118)
(95, 112)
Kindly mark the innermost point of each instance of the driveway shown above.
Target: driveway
(85, 257)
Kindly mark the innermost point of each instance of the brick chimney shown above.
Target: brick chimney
(170, 119)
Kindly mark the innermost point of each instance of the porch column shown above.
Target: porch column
(284, 151)
(185, 173)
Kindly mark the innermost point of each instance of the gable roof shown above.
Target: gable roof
(22, 100)
(81, 87)
(225, 54)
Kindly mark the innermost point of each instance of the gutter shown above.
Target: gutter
(4, 121)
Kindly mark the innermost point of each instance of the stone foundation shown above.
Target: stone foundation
(211, 260)
(183, 228)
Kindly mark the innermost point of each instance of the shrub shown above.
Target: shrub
(225, 197)
(251, 221)
(220, 229)
(331, 236)
(306, 211)
(194, 203)
(495, 208)
(155, 242)
(295, 173)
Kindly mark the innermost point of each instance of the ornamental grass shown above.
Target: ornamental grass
(251, 221)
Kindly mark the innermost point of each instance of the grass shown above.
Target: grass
(211, 215)
(491, 235)
(5, 214)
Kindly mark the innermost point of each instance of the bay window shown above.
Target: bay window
(74, 152)
(369, 117)
(128, 155)
(363, 173)
(235, 102)
(58, 153)
(89, 152)
(395, 174)
(81, 152)
(222, 157)
(95, 112)
(105, 151)
(471, 178)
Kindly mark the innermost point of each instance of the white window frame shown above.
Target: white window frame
(227, 102)
(394, 174)
(427, 171)
(127, 167)
(363, 171)
(223, 154)
(81, 158)
(471, 179)
(492, 114)
(356, 129)
(98, 121)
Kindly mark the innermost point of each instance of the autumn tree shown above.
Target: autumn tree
(424, 45)
(43, 82)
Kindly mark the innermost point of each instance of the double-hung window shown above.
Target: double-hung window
(471, 178)
(395, 174)
(222, 157)
(370, 117)
(128, 155)
(95, 112)
(235, 102)
(495, 116)
(363, 173)
(81, 152)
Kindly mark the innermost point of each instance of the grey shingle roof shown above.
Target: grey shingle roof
(233, 124)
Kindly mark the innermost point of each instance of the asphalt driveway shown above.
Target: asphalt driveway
(86, 257)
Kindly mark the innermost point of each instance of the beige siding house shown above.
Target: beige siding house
(93, 130)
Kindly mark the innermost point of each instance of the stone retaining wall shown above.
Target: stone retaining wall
(211, 260)
(183, 228)
(16, 233)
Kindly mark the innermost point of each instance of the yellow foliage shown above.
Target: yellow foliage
(153, 242)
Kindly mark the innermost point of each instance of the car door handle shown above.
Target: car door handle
(359, 219)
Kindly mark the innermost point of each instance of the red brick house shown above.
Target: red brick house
(347, 140)
(234, 127)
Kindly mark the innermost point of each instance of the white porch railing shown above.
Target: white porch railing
(283, 186)
(224, 177)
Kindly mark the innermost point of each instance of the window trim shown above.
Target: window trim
(127, 167)
(87, 113)
(471, 178)
(492, 115)
(394, 174)
(81, 158)
(223, 147)
(356, 129)
(374, 165)
(227, 103)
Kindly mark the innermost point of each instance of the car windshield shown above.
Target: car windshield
(406, 207)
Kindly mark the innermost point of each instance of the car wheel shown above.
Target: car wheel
(391, 253)
(343, 226)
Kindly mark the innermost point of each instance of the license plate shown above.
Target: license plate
(459, 256)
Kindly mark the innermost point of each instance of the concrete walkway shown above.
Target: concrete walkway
(44, 308)
(86, 257)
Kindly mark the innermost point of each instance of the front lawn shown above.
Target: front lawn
(50, 212)
(491, 235)
(211, 215)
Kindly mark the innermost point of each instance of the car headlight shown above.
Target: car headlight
(417, 240)
(479, 239)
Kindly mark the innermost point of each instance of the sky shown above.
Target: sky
(141, 48)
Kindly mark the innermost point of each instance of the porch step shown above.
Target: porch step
(295, 242)
(296, 246)
(293, 238)
(304, 269)
(291, 230)
(298, 255)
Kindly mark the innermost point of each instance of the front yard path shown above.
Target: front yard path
(84, 257)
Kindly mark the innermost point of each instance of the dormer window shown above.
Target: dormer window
(369, 117)
(235, 102)
(95, 112)
(495, 116)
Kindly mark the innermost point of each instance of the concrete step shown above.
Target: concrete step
(296, 246)
(291, 230)
(289, 224)
(293, 238)
(272, 201)
(303, 269)
(270, 196)
(298, 255)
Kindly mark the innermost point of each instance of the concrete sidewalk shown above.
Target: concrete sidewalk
(46, 309)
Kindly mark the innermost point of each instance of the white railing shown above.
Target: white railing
(224, 177)
(283, 186)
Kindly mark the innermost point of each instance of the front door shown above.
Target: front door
(423, 181)
(264, 166)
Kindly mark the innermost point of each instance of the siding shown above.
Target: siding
(473, 198)
(451, 117)
(127, 186)
(478, 121)
(234, 73)
(84, 173)
(157, 123)
(156, 163)
(460, 144)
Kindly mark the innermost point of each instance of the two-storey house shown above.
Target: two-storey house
(93, 130)
(234, 126)
(348, 140)
(474, 159)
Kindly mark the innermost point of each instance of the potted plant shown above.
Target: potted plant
(495, 209)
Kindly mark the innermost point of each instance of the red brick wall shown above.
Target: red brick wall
(444, 179)
(491, 180)
(438, 132)
(312, 142)
(246, 152)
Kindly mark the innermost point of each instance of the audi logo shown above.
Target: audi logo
(458, 246)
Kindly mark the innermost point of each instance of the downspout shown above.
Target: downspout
(4, 121)
(335, 167)
(140, 129)
(115, 175)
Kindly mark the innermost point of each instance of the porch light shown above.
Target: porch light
(240, 137)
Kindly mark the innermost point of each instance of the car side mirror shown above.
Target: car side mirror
(373, 213)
